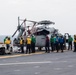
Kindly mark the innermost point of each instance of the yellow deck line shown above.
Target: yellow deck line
(11, 56)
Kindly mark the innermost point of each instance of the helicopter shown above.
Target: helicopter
(38, 29)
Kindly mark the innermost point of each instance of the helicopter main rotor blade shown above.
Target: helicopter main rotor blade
(31, 21)
(14, 33)
(18, 28)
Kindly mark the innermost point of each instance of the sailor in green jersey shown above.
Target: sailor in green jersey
(52, 41)
(33, 41)
(70, 39)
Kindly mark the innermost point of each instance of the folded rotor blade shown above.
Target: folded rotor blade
(14, 33)
(18, 28)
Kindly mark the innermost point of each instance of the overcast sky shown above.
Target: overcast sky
(62, 12)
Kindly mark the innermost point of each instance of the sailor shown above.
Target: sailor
(33, 41)
(28, 44)
(47, 45)
(8, 42)
(61, 41)
(70, 39)
(57, 43)
(52, 43)
(22, 45)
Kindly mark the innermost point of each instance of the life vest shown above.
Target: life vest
(75, 41)
(21, 42)
(28, 40)
(8, 41)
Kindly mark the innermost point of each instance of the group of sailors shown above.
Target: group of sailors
(30, 44)
(56, 42)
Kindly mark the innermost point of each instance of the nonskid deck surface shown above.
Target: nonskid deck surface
(18, 54)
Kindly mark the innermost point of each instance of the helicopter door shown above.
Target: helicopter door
(40, 41)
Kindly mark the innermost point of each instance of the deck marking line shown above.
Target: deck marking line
(22, 63)
(21, 55)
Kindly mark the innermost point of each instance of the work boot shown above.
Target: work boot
(57, 51)
(62, 51)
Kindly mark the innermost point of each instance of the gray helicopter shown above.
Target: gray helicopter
(38, 29)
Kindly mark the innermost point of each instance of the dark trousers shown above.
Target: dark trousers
(33, 47)
(28, 48)
(70, 45)
(22, 48)
(57, 47)
(61, 46)
(52, 46)
(7, 46)
(47, 48)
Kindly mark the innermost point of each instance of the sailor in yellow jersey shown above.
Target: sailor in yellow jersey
(28, 44)
(22, 45)
(7, 42)
(74, 43)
